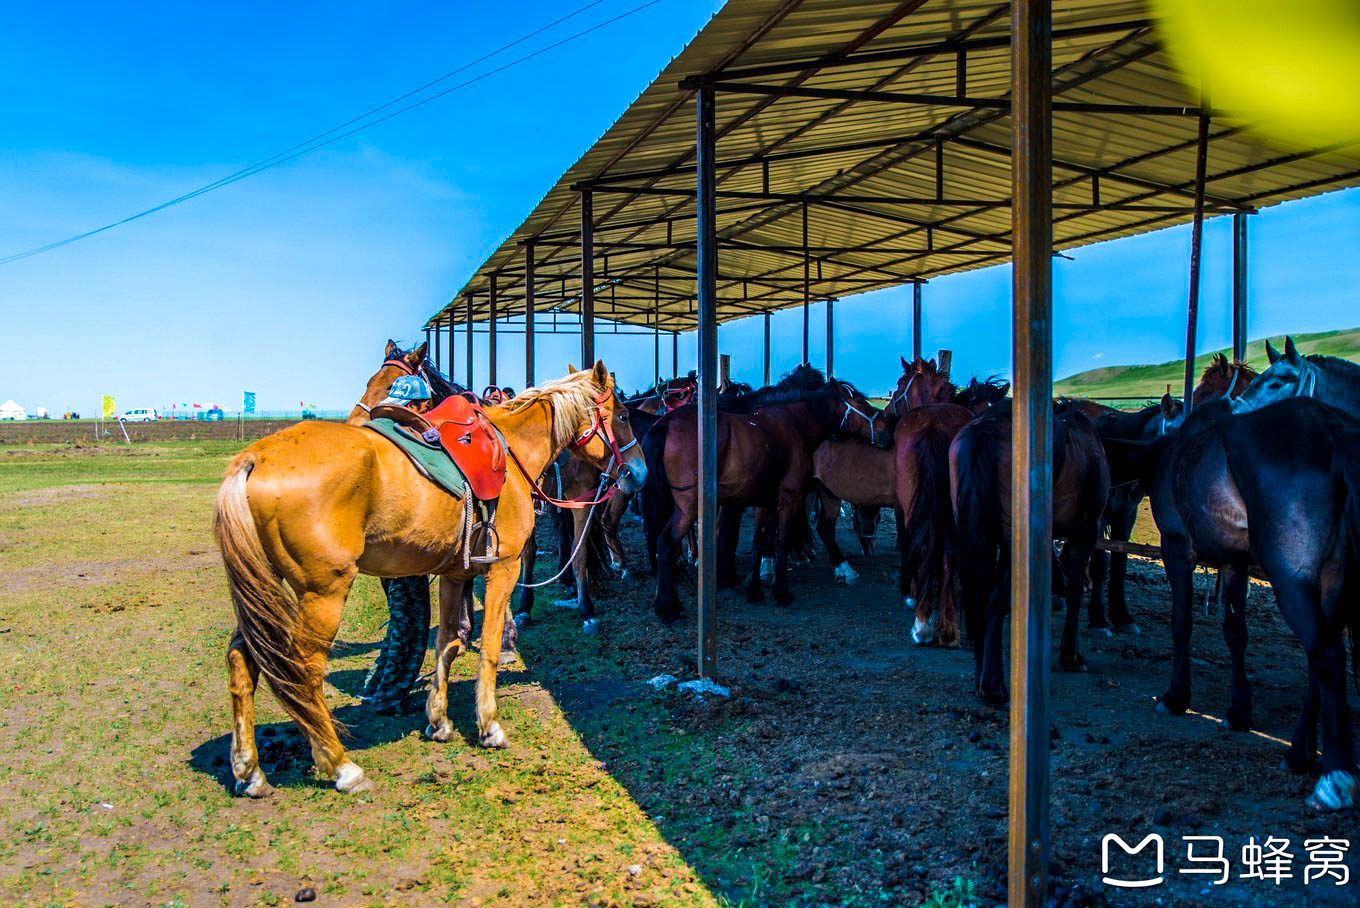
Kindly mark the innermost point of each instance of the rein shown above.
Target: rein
(397, 364)
(599, 427)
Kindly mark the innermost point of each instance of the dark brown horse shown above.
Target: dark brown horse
(980, 484)
(927, 539)
(765, 447)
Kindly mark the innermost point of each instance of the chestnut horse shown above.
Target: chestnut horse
(765, 446)
(980, 486)
(301, 513)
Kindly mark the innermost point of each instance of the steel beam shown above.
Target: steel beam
(807, 282)
(529, 352)
(468, 327)
(1196, 249)
(491, 331)
(1239, 287)
(706, 589)
(436, 343)
(767, 347)
(830, 338)
(1031, 448)
(587, 280)
(915, 320)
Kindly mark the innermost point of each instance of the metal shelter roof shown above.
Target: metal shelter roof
(863, 145)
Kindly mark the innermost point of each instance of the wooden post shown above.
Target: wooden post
(706, 589)
(724, 368)
(1239, 288)
(1196, 246)
(944, 359)
(587, 280)
(529, 315)
(1031, 447)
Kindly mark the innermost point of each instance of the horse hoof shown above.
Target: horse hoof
(590, 627)
(1173, 704)
(350, 779)
(767, 569)
(993, 697)
(494, 738)
(443, 734)
(1072, 663)
(1334, 791)
(923, 632)
(1102, 632)
(1129, 628)
(255, 787)
(1238, 719)
(522, 620)
(846, 574)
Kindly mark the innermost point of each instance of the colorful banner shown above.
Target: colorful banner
(248, 401)
(109, 407)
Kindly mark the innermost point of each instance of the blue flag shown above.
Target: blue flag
(249, 401)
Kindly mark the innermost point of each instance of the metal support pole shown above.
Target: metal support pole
(1196, 247)
(468, 327)
(491, 333)
(587, 280)
(436, 342)
(428, 347)
(807, 281)
(656, 324)
(1239, 297)
(675, 353)
(1031, 447)
(830, 338)
(767, 348)
(706, 589)
(529, 315)
(449, 370)
(916, 320)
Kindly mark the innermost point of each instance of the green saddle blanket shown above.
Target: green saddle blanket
(429, 459)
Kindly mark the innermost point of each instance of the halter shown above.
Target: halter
(851, 408)
(599, 427)
(901, 395)
(396, 364)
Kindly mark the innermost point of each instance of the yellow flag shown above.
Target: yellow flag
(108, 407)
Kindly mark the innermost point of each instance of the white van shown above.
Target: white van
(141, 414)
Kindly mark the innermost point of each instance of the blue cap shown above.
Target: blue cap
(406, 389)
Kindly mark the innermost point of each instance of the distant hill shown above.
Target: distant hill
(1151, 381)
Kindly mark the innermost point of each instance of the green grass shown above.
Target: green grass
(1151, 381)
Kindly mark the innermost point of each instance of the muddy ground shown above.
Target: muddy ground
(880, 751)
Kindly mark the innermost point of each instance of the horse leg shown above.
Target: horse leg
(580, 566)
(764, 542)
(729, 530)
(788, 510)
(991, 678)
(1121, 528)
(1235, 581)
(242, 677)
(1077, 554)
(529, 558)
(1180, 569)
(609, 523)
(454, 604)
(500, 583)
(828, 512)
(667, 603)
(318, 619)
(761, 530)
(1095, 609)
(866, 525)
(1302, 756)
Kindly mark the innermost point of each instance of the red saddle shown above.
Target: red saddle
(472, 441)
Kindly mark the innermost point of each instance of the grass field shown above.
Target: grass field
(113, 621)
(1151, 381)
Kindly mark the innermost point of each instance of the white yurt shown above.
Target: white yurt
(10, 410)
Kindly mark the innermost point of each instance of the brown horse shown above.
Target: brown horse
(980, 486)
(765, 447)
(927, 539)
(847, 469)
(666, 396)
(301, 513)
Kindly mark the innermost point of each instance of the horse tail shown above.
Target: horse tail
(1346, 471)
(929, 536)
(975, 461)
(266, 607)
(657, 503)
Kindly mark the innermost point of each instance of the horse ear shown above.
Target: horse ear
(1291, 352)
(1271, 353)
(1168, 407)
(392, 349)
(418, 354)
(905, 365)
(571, 369)
(602, 376)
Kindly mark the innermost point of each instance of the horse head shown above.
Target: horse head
(1222, 378)
(981, 395)
(1289, 375)
(922, 382)
(604, 436)
(858, 416)
(396, 363)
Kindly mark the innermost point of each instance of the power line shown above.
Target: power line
(334, 134)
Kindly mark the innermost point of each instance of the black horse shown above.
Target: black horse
(980, 483)
(1278, 487)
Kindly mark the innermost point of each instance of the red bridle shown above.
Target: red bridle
(599, 427)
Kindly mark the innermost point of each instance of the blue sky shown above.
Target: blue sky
(289, 282)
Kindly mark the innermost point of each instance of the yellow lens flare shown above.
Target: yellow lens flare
(1288, 72)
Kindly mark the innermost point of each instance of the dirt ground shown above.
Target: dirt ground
(847, 768)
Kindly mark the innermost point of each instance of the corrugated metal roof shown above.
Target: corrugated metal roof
(876, 216)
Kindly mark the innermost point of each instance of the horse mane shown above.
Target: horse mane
(795, 386)
(1344, 367)
(570, 400)
(1127, 424)
(1219, 362)
(989, 390)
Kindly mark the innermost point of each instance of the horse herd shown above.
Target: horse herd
(1259, 471)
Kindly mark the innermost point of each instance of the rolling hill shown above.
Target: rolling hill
(1151, 381)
